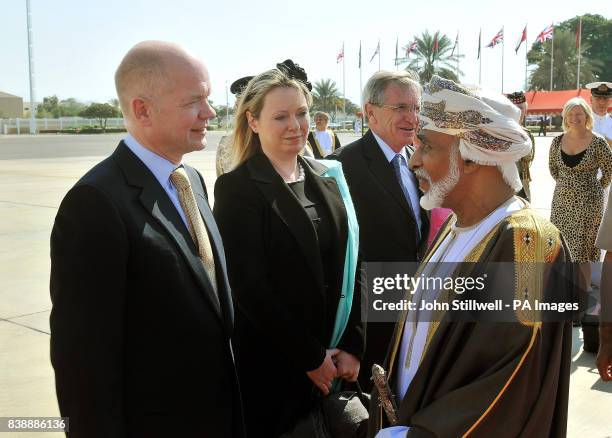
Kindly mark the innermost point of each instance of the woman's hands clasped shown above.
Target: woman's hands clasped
(337, 364)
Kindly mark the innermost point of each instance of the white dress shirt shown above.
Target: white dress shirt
(161, 169)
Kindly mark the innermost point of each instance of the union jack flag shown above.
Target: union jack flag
(410, 48)
(340, 55)
(497, 38)
(523, 39)
(456, 44)
(546, 34)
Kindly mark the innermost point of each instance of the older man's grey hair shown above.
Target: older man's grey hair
(374, 90)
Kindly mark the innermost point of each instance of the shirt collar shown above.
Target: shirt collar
(160, 167)
(389, 153)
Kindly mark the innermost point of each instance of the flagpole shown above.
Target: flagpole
(480, 57)
(457, 65)
(31, 69)
(579, 54)
(226, 108)
(360, 89)
(502, 75)
(396, 63)
(379, 54)
(526, 62)
(343, 82)
(552, 57)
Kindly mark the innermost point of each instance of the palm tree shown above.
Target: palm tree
(565, 63)
(325, 95)
(429, 61)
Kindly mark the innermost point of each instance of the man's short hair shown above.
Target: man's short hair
(374, 90)
(321, 114)
(141, 73)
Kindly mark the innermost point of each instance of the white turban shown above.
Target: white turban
(487, 125)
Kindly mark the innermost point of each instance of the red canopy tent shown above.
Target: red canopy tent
(552, 102)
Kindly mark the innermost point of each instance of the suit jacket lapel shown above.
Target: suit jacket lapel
(327, 188)
(156, 201)
(223, 287)
(287, 207)
(383, 171)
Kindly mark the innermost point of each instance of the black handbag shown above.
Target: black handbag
(342, 414)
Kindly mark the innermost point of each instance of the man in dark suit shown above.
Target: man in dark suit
(142, 313)
(392, 225)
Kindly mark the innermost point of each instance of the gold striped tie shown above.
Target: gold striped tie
(197, 229)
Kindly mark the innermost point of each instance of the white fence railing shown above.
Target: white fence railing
(22, 126)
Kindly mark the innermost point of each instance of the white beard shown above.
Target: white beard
(440, 189)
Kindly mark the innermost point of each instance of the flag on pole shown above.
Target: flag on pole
(359, 54)
(436, 44)
(396, 46)
(479, 40)
(340, 55)
(411, 48)
(523, 39)
(455, 46)
(546, 34)
(579, 34)
(376, 52)
(498, 38)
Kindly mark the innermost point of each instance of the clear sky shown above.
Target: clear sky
(78, 44)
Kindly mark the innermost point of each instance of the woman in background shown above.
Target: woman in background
(577, 205)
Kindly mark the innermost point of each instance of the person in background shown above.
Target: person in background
(575, 158)
(322, 140)
(518, 98)
(543, 123)
(601, 99)
(223, 159)
(604, 242)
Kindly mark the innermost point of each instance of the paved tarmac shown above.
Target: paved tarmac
(35, 174)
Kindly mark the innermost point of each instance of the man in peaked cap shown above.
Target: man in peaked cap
(518, 98)
(601, 99)
(478, 373)
(223, 159)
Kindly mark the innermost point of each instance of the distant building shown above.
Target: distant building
(10, 106)
(27, 106)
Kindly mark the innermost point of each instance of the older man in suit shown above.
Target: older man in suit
(142, 313)
(392, 225)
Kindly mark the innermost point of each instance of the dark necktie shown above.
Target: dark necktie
(397, 162)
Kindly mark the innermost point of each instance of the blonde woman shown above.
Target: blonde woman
(289, 234)
(577, 206)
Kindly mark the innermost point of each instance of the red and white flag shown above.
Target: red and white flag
(579, 34)
(523, 39)
(456, 44)
(410, 48)
(376, 52)
(546, 34)
(436, 45)
(340, 56)
(498, 38)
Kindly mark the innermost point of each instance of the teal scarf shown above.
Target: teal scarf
(334, 170)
